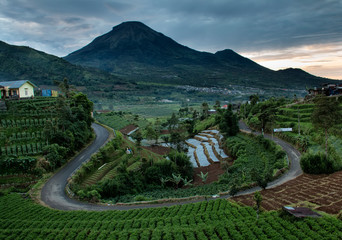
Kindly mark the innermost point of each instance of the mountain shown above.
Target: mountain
(136, 52)
(17, 62)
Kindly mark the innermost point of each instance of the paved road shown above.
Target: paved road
(292, 154)
(53, 193)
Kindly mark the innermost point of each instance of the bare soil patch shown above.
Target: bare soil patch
(128, 129)
(158, 149)
(322, 192)
(214, 170)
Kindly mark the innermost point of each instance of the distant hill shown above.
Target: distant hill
(18, 62)
(138, 53)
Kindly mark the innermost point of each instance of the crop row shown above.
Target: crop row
(218, 219)
(24, 149)
(29, 122)
(23, 135)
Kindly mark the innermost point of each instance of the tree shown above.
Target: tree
(254, 99)
(157, 129)
(166, 139)
(326, 115)
(150, 133)
(55, 155)
(183, 163)
(64, 87)
(172, 122)
(194, 115)
(205, 110)
(217, 105)
(258, 199)
(138, 138)
(267, 113)
(228, 123)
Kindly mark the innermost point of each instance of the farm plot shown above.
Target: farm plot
(217, 219)
(204, 148)
(320, 192)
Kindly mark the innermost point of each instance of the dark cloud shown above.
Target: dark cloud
(60, 27)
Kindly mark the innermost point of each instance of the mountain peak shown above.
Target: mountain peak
(130, 24)
(135, 51)
(129, 42)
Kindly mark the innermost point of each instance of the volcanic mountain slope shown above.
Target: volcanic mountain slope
(136, 52)
(17, 62)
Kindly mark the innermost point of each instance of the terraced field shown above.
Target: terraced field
(320, 192)
(204, 148)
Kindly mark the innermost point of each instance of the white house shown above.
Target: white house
(17, 89)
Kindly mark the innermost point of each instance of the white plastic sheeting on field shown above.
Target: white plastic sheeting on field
(218, 149)
(205, 140)
(210, 151)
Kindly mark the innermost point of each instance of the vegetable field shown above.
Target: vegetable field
(22, 126)
(217, 219)
(321, 192)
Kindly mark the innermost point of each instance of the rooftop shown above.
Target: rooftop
(16, 84)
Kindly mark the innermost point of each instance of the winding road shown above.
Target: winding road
(53, 193)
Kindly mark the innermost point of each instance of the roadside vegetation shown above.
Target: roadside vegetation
(39, 135)
(316, 128)
(115, 175)
(257, 161)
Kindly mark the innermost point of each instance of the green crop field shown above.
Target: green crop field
(217, 219)
(119, 120)
(299, 116)
(21, 126)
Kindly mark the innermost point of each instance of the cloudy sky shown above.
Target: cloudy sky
(275, 33)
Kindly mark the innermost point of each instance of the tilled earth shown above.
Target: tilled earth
(320, 192)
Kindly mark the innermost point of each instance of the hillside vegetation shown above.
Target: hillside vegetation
(320, 145)
(219, 219)
(39, 135)
(18, 62)
(116, 175)
(136, 52)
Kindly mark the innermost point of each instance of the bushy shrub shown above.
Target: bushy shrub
(55, 155)
(316, 163)
(13, 164)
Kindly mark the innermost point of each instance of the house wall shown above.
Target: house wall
(30, 91)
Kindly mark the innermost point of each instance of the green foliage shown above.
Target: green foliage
(317, 163)
(53, 127)
(258, 199)
(317, 122)
(261, 114)
(204, 124)
(12, 164)
(228, 122)
(55, 155)
(256, 158)
(203, 176)
(182, 162)
(26, 63)
(327, 114)
(132, 174)
(217, 219)
(118, 120)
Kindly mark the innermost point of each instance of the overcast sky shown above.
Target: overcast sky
(275, 33)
